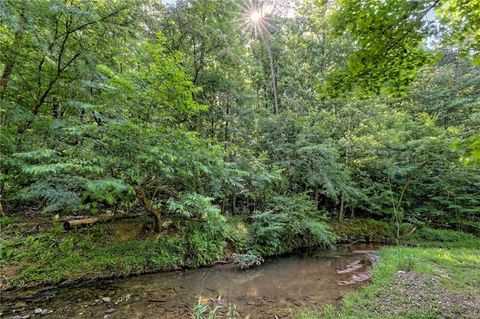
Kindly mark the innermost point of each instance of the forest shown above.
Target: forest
(141, 136)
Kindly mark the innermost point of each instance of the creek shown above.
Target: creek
(281, 285)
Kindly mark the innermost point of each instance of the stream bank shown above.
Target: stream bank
(38, 252)
(276, 288)
(414, 283)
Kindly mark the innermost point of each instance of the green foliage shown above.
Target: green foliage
(387, 52)
(202, 311)
(107, 190)
(470, 148)
(204, 227)
(54, 256)
(371, 231)
(467, 226)
(9, 220)
(245, 261)
(463, 18)
(183, 106)
(288, 223)
(205, 311)
(195, 206)
(366, 230)
(204, 245)
(59, 193)
(442, 235)
(430, 237)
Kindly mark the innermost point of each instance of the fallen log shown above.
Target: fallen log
(76, 223)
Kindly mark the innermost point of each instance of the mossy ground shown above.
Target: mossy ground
(33, 255)
(51, 255)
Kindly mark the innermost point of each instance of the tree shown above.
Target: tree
(57, 45)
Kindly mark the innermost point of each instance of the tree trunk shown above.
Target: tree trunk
(2, 211)
(226, 122)
(347, 153)
(8, 70)
(234, 203)
(272, 74)
(147, 204)
(342, 208)
(10, 64)
(316, 196)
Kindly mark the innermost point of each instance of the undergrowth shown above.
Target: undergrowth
(289, 223)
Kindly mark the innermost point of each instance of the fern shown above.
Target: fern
(291, 222)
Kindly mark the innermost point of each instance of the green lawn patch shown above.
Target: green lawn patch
(415, 283)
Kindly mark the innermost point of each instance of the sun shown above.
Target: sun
(256, 16)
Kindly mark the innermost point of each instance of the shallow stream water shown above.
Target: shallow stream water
(273, 290)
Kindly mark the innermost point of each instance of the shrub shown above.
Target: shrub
(442, 235)
(289, 222)
(468, 226)
(204, 244)
(237, 232)
(204, 227)
(248, 260)
(368, 230)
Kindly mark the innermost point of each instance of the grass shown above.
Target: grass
(443, 238)
(5, 221)
(52, 256)
(414, 282)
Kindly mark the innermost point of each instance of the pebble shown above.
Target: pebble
(110, 310)
(41, 312)
(20, 304)
(106, 299)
